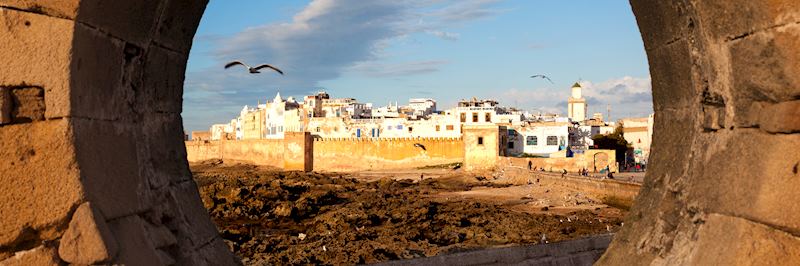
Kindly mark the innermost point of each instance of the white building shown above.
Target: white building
(282, 116)
(639, 133)
(389, 111)
(422, 107)
(217, 131)
(580, 136)
(483, 112)
(539, 139)
(576, 104)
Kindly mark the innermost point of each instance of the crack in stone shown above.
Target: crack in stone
(38, 10)
(756, 31)
(785, 229)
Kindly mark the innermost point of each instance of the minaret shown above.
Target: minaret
(576, 104)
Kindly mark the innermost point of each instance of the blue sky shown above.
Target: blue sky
(381, 51)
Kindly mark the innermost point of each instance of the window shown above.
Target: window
(511, 133)
(475, 117)
(388, 127)
(437, 128)
(410, 129)
(532, 141)
(552, 141)
(488, 117)
(399, 127)
(510, 144)
(450, 127)
(463, 117)
(480, 140)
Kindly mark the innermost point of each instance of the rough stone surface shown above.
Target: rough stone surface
(87, 240)
(781, 118)
(106, 69)
(41, 255)
(746, 243)
(134, 246)
(90, 112)
(54, 8)
(40, 181)
(724, 89)
(107, 154)
(36, 52)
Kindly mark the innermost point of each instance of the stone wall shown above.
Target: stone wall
(483, 144)
(257, 151)
(723, 172)
(90, 129)
(593, 160)
(94, 168)
(376, 154)
(292, 153)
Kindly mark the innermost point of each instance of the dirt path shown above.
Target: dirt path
(272, 217)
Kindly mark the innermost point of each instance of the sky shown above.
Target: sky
(391, 50)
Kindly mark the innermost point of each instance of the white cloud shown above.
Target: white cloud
(377, 69)
(321, 42)
(627, 97)
(450, 36)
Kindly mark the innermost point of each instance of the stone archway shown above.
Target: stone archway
(726, 90)
(95, 169)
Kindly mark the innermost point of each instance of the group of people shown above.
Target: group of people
(582, 171)
(533, 168)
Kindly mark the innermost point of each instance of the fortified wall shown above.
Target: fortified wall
(340, 154)
(394, 153)
(291, 153)
(592, 160)
(94, 169)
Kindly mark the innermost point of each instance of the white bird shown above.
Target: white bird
(253, 70)
(543, 77)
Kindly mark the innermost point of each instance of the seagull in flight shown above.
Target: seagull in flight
(253, 70)
(542, 76)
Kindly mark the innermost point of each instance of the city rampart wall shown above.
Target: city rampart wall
(593, 160)
(256, 151)
(353, 154)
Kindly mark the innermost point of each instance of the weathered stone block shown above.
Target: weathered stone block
(28, 104)
(96, 82)
(730, 19)
(162, 152)
(661, 22)
(764, 67)
(782, 117)
(40, 180)
(753, 177)
(726, 240)
(179, 20)
(163, 81)
(192, 223)
(672, 83)
(87, 239)
(106, 153)
(41, 255)
(134, 246)
(132, 21)
(54, 8)
(36, 52)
